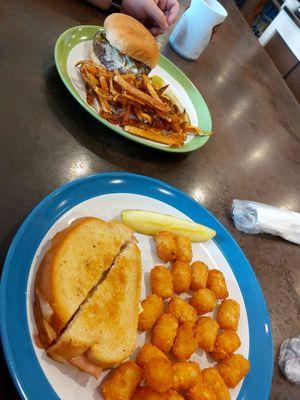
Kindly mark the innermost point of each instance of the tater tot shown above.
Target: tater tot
(185, 343)
(204, 300)
(206, 333)
(228, 314)
(161, 282)
(199, 275)
(201, 391)
(159, 374)
(212, 378)
(227, 342)
(164, 332)
(146, 393)
(147, 352)
(172, 395)
(216, 283)
(153, 307)
(123, 382)
(233, 369)
(182, 310)
(181, 274)
(165, 246)
(183, 248)
(186, 374)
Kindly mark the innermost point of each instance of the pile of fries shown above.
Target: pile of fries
(136, 104)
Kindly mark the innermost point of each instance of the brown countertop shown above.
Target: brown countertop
(47, 139)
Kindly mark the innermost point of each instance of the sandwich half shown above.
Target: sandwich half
(74, 264)
(103, 331)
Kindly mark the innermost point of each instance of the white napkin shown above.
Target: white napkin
(251, 217)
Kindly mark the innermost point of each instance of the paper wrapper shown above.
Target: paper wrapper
(251, 217)
(289, 359)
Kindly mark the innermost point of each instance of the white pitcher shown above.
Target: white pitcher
(194, 29)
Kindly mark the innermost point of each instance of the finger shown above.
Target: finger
(172, 11)
(158, 17)
(162, 4)
(156, 31)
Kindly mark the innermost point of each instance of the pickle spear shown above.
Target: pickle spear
(150, 223)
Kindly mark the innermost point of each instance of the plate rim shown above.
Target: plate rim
(110, 176)
(199, 141)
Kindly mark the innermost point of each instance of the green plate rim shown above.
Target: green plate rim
(193, 93)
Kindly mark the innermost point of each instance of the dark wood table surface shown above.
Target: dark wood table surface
(47, 139)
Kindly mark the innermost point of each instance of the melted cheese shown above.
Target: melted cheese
(118, 60)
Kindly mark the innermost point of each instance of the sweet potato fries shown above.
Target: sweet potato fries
(136, 104)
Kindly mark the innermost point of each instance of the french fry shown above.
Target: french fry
(192, 129)
(89, 95)
(138, 104)
(90, 79)
(112, 88)
(197, 131)
(146, 117)
(204, 133)
(128, 96)
(142, 116)
(104, 104)
(171, 140)
(81, 62)
(150, 88)
(103, 84)
(140, 95)
(101, 94)
(131, 78)
(88, 66)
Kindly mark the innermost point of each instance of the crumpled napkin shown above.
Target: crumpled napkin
(251, 217)
(289, 359)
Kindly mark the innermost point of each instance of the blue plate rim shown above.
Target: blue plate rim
(261, 352)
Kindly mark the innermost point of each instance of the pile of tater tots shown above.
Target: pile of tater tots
(179, 327)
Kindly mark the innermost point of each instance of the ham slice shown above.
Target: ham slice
(85, 365)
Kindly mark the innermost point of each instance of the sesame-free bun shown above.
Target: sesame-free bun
(131, 37)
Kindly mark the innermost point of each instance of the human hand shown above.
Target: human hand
(157, 15)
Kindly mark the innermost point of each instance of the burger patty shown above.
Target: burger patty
(113, 59)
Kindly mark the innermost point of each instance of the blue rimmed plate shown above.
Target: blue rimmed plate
(104, 196)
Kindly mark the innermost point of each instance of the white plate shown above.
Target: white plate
(68, 382)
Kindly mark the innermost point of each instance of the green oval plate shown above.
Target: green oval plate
(78, 34)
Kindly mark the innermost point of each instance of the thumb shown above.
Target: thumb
(158, 17)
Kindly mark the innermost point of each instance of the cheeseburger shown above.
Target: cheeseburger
(125, 45)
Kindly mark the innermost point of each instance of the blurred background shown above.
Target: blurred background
(276, 23)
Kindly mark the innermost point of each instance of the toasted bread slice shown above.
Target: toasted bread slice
(105, 326)
(71, 268)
